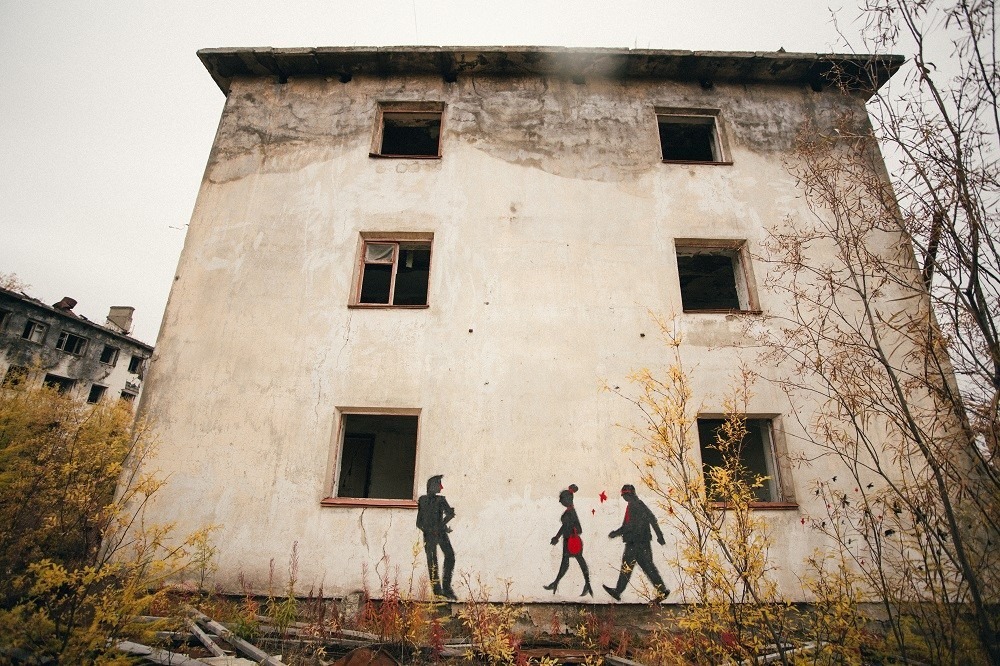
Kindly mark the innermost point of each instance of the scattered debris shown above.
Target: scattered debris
(242, 646)
(157, 656)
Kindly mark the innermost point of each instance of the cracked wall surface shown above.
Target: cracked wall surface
(553, 221)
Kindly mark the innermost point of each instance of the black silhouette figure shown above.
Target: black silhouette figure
(572, 543)
(635, 532)
(433, 514)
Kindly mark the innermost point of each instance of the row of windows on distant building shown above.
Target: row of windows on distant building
(18, 374)
(71, 343)
(413, 129)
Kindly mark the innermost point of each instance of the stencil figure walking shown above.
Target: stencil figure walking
(570, 532)
(636, 533)
(433, 514)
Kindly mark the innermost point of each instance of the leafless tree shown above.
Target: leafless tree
(893, 293)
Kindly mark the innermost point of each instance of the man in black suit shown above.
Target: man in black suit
(636, 532)
(433, 514)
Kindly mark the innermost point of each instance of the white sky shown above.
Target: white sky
(107, 116)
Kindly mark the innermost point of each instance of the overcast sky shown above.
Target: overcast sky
(107, 116)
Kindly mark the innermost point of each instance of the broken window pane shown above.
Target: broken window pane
(34, 331)
(708, 281)
(411, 134)
(688, 138)
(376, 283)
(16, 375)
(71, 344)
(395, 273)
(378, 456)
(109, 355)
(61, 384)
(96, 393)
(412, 274)
(755, 455)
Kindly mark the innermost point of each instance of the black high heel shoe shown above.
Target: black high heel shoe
(551, 586)
(587, 590)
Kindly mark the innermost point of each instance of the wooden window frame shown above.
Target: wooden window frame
(402, 108)
(330, 498)
(35, 326)
(64, 338)
(396, 239)
(746, 286)
(114, 357)
(104, 392)
(776, 454)
(695, 116)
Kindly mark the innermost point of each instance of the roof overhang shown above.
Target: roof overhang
(863, 73)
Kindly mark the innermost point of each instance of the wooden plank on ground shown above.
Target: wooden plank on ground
(209, 644)
(248, 649)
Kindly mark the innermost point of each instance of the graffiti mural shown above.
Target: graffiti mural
(636, 532)
(433, 515)
(570, 531)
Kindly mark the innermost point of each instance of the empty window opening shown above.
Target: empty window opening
(689, 138)
(4, 318)
(128, 396)
(755, 454)
(378, 455)
(61, 384)
(135, 364)
(395, 273)
(71, 344)
(109, 355)
(34, 331)
(409, 134)
(714, 276)
(96, 393)
(15, 376)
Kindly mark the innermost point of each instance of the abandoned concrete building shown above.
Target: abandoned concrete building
(413, 268)
(52, 345)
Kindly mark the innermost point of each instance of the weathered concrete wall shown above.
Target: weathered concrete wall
(553, 221)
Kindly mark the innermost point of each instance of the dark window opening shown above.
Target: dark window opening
(688, 138)
(34, 331)
(15, 376)
(61, 384)
(109, 355)
(410, 134)
(709, 280)
(96, 393)
(128, 396)
(135, 364)
(377, 456)
(754, 452)
(71, 344)
(4, 318)
(395, 273)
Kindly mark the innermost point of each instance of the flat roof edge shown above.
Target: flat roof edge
(865, 73)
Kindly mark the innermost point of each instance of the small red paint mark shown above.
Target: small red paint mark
(593, 512)
(604, 497)
(803, 521)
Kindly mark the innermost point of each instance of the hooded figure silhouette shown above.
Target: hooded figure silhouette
(433, 514)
